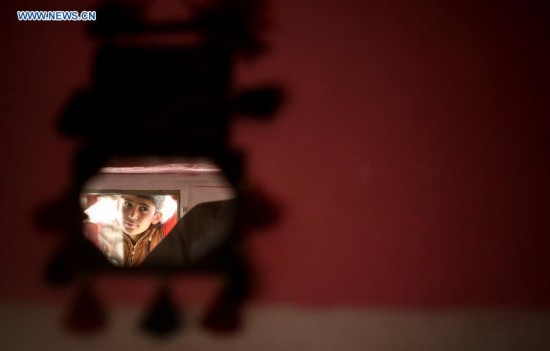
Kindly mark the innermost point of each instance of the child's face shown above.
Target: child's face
(136, 214)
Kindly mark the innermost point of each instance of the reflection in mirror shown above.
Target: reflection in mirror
(158, 213)
(127, 225)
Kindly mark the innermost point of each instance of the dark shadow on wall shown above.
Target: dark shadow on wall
(164, 89)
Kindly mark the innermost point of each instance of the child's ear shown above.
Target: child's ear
(157, 217)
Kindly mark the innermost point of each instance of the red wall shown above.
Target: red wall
(411, 160)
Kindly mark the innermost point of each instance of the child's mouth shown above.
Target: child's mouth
(130, 224)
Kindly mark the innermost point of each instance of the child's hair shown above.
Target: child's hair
(158, 200)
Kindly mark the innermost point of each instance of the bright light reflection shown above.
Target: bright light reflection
(103, 211)
(169, 208)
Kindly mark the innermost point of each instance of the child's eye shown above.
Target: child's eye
(144, 209)
(127, 204)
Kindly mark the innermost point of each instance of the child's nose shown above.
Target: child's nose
(133, 213)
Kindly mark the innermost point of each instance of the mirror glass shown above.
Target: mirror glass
(158, 212)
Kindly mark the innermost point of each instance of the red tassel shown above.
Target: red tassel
(163, 318)
(86, 314)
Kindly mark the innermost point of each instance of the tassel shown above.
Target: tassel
(163, 318)
(225, 314)
(86, 314)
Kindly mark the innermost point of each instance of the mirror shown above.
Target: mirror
(157, 213)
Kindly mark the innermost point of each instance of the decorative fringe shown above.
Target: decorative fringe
(86, 314)
(163, 317)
